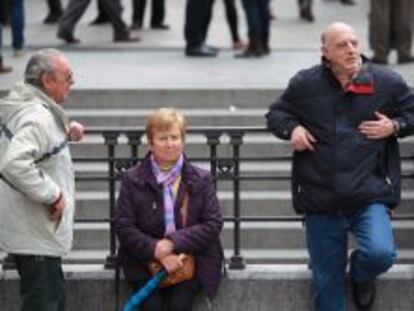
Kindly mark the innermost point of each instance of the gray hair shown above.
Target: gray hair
(41, 62)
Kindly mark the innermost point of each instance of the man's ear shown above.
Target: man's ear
(323, 50)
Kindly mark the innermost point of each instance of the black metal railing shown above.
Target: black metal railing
(224, 166)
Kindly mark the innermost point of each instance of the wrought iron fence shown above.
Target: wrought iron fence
(222, 167)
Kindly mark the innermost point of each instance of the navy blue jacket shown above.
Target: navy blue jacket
(140, 223)
(347, 171)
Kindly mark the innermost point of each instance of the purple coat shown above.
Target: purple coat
(140, 223)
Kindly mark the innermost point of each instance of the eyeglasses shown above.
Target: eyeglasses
(66, 78)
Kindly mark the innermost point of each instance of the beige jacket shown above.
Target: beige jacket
(35, 165)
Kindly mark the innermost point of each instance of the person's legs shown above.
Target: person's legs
(17, 24)
(375, 251)
(101, 17)
(181, 296)
(254, 24)
(70, 18)
(158, 14)
(55, 11)
(41, 283)
(402, 15)
(196, 12)
(138, 10)
(232, 20)
(380, 29)
(327, 245)
(3, 68)
(265, 24)
(113, 9)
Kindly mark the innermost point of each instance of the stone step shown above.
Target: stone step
(256, 235)
(95, 204)
(254, 145)
(257, 287)
(172, 97)
(120, 117)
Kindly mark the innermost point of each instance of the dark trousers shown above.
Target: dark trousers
(157, 11)
(257, 14)
(76, 8)
(390, 27)
(179, 297)
(232, 19)
(197, 20)
(55, 7)
(15, 10)
(42, 285)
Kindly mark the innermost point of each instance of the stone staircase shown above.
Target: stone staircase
(261, 242)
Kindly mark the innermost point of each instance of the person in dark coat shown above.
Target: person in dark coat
(343, 118)
(149, 222)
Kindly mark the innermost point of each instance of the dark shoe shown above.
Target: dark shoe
(379, 61)
(405, 60)
(52, 18)
(100, 20)
(160, 27)
(364, 294)
(5, 69)
(348, 2)
(212, 48)
(249, 53)
(136, 26)
(126, 38)
(200, 51)
(306, 14)
(68, 38)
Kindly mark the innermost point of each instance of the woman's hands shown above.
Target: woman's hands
(164, 254)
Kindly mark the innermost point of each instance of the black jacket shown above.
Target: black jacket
(347, 171)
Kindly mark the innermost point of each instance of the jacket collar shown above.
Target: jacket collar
(362, 82)
(143, 175)
(23, 95)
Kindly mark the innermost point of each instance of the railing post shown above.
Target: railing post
(8, 263)
(111, 140)
(134, 141)
(213, 140)
(236, 140)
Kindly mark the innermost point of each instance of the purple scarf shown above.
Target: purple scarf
(167, 180)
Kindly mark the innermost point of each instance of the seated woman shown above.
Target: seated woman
(153, 199)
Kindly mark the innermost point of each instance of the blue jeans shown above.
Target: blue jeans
(257, 15)
(17, 25)
(327, 239)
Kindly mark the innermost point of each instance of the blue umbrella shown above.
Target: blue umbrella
(136, 299)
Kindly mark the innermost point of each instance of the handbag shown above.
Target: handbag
(187, 271)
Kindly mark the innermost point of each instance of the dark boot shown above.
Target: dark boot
(55, 12)
(265, 43)
(102, 17)
(305, 10)
(254, 48)
(4, 69)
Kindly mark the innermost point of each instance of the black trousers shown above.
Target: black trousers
(42, 284)
(197, 20)
(179, 297)
(76, 8)
(157, 11)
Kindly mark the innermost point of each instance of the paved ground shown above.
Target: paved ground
(158, 61)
